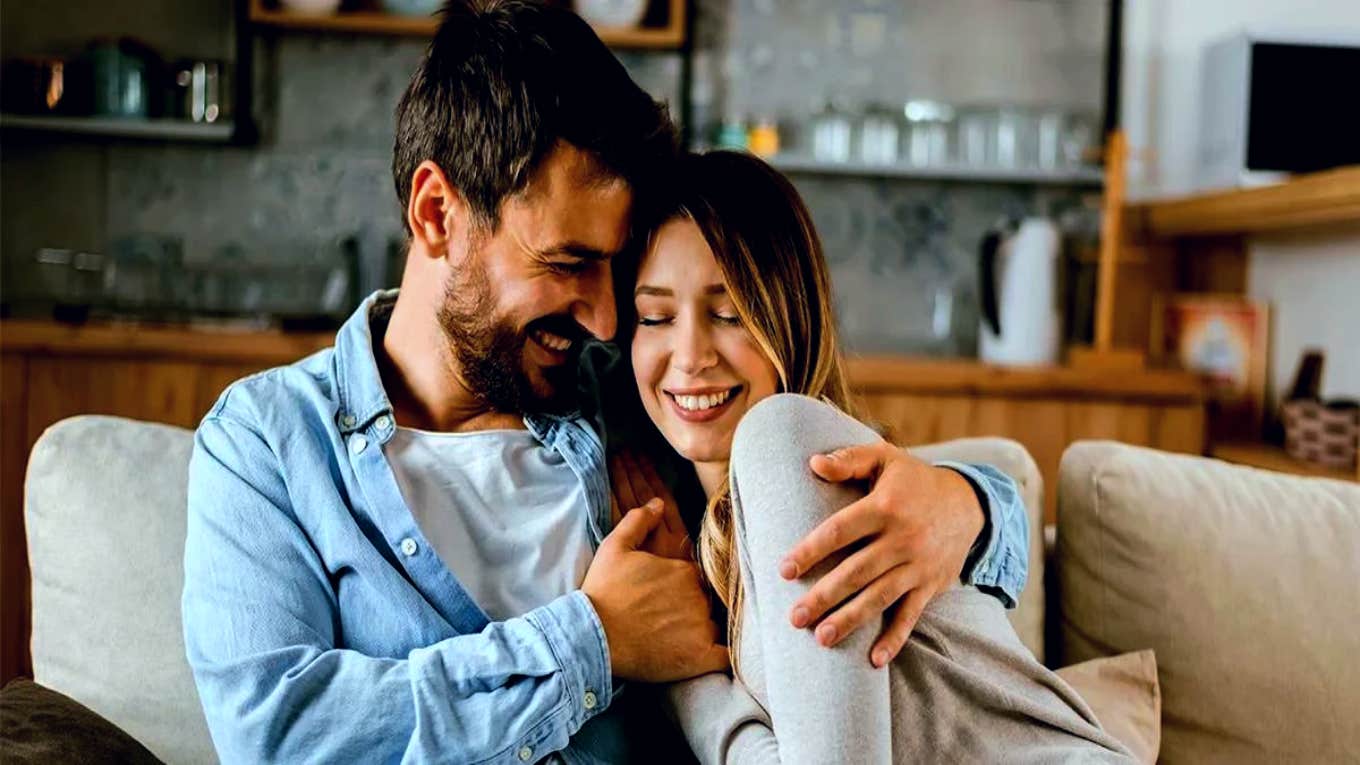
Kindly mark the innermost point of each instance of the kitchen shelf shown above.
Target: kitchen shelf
(801, 164)
(668, 37)
(1275, 458)
(1327, 198)
(122, 127)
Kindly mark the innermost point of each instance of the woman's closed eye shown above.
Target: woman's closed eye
(724, 318)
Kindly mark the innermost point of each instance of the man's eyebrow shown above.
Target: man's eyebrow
(576, 250)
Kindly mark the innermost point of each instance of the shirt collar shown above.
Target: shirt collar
(358, 385)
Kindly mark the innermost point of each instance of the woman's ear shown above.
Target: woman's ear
(435, 210)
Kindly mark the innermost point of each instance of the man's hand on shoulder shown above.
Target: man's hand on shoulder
(654, 609)
(914, 530)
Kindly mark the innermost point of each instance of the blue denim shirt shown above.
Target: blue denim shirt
(322, 627)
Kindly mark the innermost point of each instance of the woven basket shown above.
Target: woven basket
(1321, 434)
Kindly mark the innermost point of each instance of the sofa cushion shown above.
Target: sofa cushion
(1123, 692)
(105, 511)
(1245, 583)
(40, 726)
(1012, 459)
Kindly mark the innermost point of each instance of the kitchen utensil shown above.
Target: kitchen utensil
(45, 85)
(201, 91)
(1019, 272)
(612, 13)
(123, 72)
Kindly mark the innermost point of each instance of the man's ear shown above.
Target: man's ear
(436, 210)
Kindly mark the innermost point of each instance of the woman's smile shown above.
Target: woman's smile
(702, 404)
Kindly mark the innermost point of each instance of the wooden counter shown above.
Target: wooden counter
(50, 371)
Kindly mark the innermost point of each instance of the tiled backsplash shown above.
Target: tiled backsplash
(321, 171)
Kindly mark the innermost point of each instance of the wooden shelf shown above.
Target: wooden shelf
(1329, 198)
(1077, 176)
(1277, 459)
(669, 37)
(136, 340)
(123, 127)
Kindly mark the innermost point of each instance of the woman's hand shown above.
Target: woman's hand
(915, 527)
(634, 483)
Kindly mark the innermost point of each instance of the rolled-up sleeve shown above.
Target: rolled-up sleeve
(1002, 566)
(261, 632)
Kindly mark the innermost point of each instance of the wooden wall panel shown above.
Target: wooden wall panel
(39, 391)
(14, 594)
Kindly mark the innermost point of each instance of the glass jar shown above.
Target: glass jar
(831, 135)
(763, 137)
(879, 136)
(928, 127)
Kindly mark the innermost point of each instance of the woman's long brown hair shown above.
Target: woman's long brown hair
(763, 239)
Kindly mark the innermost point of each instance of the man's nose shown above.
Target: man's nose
(595, 310)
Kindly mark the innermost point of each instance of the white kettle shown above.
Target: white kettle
(1020, 322)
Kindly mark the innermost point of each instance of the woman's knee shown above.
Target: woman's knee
(787, 429)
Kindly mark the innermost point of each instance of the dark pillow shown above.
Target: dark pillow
(39, 725)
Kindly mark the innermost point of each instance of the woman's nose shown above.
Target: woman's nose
(694, 351)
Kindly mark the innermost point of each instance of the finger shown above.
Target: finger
(618, 481)
(851, 576)
(639, 490)
(852, 523)
(634, 527)
(868, 605)
(852, 463)
(906, 614)
(648, 470)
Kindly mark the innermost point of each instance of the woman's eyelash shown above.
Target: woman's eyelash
(725, 319)
(650, 321)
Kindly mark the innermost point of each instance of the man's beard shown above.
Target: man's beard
(489, 351)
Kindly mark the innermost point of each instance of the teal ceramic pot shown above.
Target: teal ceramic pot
(411, 7)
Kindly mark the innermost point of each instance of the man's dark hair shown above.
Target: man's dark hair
(501, 83)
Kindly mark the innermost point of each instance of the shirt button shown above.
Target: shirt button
(357, 444)
(525, 753)
(384, 422)
(409, 546)
(348, 420)
(589, 700)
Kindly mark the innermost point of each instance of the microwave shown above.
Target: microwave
(1275, 104)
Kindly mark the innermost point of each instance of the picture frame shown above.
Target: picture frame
(1225, 338)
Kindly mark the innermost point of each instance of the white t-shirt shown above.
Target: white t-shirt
(505, 513)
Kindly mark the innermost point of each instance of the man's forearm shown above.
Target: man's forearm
(448, 701)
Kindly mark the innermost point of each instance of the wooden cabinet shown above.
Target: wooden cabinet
(49, 372)
(1046, 409)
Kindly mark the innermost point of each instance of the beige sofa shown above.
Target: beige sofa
(1246, 584)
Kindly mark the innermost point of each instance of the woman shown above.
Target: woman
(733, 308)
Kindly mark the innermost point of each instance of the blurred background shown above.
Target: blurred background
(1046, 219)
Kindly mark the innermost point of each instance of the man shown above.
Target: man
(397, 547)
